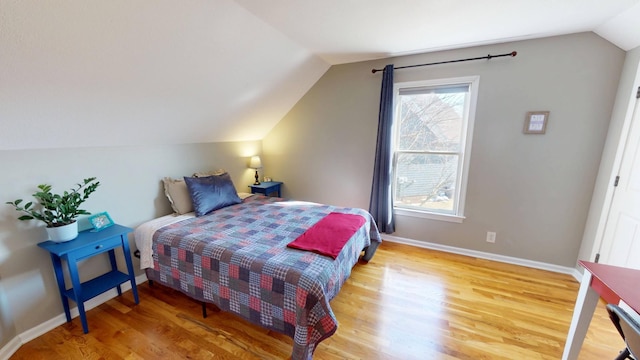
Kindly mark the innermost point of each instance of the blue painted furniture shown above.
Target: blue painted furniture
(88, 244)
(267, 188)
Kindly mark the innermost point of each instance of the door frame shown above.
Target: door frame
(617, 163)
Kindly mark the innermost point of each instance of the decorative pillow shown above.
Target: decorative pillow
(210, 173)
(178, 195)
(211, 193)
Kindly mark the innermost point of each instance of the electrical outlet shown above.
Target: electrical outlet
(491, 237)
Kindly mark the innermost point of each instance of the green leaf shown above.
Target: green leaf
(57, 208)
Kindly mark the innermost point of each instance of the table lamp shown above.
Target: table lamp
(256, 164)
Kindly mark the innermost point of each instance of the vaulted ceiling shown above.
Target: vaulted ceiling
(78, 73)
(341, 31)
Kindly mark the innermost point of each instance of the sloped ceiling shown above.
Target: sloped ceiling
(343, 31)
(77, 73)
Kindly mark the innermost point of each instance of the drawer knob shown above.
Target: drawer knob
(98, 247)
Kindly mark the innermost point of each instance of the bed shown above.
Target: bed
(237, 258)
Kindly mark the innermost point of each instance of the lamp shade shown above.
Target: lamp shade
(255, 162)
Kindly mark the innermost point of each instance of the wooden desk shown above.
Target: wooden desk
(613, 284)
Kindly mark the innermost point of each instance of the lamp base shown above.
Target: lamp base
(257, 177)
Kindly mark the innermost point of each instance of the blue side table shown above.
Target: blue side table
(267, 188)
(86, 245)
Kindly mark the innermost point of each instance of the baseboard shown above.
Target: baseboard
(488, 256)
(15, 343)
(9, 349)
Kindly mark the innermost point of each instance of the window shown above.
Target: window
(433, 127)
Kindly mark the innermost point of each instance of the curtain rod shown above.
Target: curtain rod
(488, 57)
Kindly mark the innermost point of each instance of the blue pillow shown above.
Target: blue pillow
(210, 193)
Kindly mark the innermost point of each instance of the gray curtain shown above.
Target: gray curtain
(381, 203)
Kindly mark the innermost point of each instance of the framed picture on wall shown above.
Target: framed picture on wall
(536, 122)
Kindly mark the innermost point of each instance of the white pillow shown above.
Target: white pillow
(178, 195)
(210, 173)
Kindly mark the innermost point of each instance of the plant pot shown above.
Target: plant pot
(63, 233)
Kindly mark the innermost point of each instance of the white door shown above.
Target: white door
(621, 241)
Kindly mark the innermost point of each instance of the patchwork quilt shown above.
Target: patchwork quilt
(237, 258)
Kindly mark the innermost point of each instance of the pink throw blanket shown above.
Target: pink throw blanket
(328, 236)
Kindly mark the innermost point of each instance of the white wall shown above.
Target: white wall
(533, 190)
(131, 191)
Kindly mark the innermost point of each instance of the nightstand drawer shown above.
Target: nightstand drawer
(267, 188)
(97, 247)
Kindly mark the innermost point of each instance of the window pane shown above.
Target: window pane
(426, 181)
(431, 121)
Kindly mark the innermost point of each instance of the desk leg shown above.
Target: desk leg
(77, 291)
(582, 313)
(57, 268)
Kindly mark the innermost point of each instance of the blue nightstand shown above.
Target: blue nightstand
(86, 245)
(267, 188)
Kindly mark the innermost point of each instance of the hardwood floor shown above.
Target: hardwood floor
(407, 303)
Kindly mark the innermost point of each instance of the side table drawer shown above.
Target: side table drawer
(97, 247)
(267, 188)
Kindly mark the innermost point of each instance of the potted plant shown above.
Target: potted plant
(58, 211)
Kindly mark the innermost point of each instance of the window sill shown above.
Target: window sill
(429, 215)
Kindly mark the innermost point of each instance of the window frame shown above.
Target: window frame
(465, 144)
